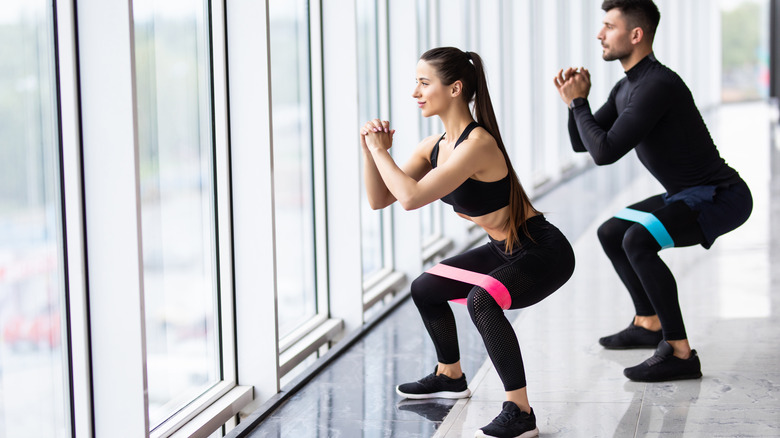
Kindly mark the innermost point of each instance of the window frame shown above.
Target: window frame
(109, 228)
(385, 280)
(217, 406)
(100, 184)
(68, 262)
(75, 239)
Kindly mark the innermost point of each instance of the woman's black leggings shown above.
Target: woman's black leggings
(535, 269)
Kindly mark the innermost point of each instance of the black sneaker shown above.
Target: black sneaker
(664, 366)
(511, 423)
(632, 336)
(433, 386)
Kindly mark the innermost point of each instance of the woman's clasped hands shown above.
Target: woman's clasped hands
(377, 135)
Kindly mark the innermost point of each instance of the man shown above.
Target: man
(652, 111)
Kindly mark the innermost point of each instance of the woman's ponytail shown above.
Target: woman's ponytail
(452, 65)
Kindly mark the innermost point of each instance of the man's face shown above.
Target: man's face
(615, 36)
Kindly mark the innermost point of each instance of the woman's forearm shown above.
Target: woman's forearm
(400, 186)
(376, 190)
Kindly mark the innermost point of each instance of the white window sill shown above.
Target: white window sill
(218, 406)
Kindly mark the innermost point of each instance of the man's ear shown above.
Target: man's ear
(637, 35)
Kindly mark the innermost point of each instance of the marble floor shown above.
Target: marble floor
(730, 297)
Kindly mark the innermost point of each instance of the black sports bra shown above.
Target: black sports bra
(475, 198)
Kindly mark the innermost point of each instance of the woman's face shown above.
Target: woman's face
(432, 96)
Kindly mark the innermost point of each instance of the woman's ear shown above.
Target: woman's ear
(456, 88)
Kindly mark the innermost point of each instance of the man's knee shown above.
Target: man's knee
(638, 241)
(610, 233)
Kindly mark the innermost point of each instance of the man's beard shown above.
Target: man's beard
(615, 55)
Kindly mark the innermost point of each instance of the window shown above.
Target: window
(33, 374)
(455, 24)
(376, 238)
(177, 202)
(373, 244)
(745, 53)
(432, 228)
(293, 163)
(127, 221)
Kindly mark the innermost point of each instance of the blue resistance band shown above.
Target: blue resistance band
(650, 222)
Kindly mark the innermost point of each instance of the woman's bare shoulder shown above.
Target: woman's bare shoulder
(425, 146)
(481, 138)
(430, 140)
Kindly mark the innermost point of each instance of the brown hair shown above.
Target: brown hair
(638, 13)
(452, 65)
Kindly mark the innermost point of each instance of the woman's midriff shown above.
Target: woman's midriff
(495, 223)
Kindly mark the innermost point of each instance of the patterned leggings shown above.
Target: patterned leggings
(535, 269)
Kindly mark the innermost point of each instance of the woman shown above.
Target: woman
(526, 258)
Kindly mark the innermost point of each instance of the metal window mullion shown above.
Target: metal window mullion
(227, 345)
(70, 138)
(570, 55)
(434, 34)
(713, 58)
(339, 76)
(520, 41)
(383, 57)
(774, 49)
(536, 97)
(383, 41)
(318, 157)
(404, 50)
(252, 196)
(113, 216)
(508, 80)
(552, 109)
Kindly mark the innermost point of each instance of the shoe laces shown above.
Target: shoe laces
(660, 355)
(505, 417)
(654, 360)
(428, 378)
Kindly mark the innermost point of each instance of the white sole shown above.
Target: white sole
(529, 434)
(441, 394)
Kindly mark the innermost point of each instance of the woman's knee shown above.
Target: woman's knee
(419, 286)
(424, 287)
(481, 305)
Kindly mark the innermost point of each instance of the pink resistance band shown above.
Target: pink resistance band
(494, 287)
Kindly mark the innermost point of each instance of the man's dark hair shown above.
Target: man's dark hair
(638, 13)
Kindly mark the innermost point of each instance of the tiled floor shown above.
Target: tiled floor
(730, 296)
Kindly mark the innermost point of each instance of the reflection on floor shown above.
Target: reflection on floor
(730, 296)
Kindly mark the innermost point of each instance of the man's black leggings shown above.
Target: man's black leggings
(533, 271)
(634, 251)
(634, 254)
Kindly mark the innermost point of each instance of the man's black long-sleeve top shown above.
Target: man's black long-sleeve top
(652, 110)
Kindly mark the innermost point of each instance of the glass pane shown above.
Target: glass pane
(431, 217)
(33, 401)
(293, 166)
(423, 26)
(177, 196)
(431, 214)
(537, 116)
(430, 228)
(745, 56)
(368, 99)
